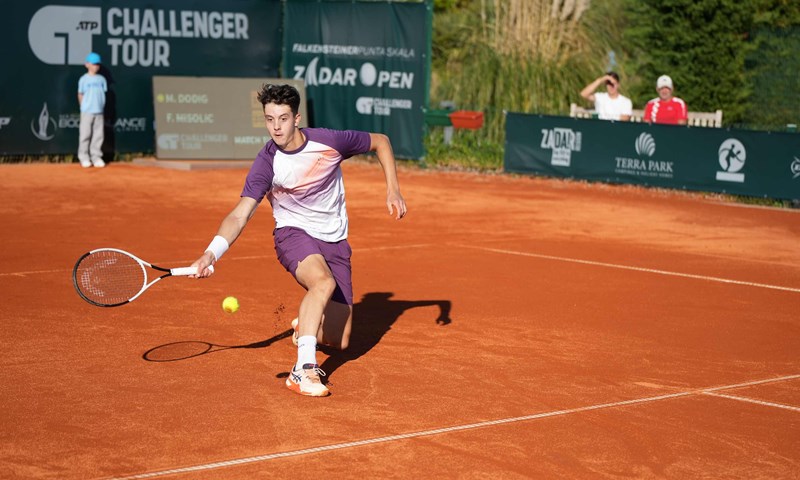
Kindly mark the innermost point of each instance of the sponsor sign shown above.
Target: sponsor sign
(360, 77)
(212, 118)
(136, 40)
(741, 162)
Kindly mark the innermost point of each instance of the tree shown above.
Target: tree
(702, 44)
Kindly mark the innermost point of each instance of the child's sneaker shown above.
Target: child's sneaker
(99, 163)
(295, 336)
(306, 381)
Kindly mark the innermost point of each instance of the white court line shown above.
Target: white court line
(636, 269)
(437, 431)
(753, 400)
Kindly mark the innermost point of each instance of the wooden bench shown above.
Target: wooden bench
(696, 119)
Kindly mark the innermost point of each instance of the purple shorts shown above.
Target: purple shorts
(293, 245)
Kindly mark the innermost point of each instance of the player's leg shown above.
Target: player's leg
(300, 255)
(336, 325)
(315, 276)
(96, 145)
(334, 331)
(338, 319)
(85, 135)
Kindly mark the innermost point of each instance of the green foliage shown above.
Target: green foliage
(478, 68)
(701, 44)
(774, 65)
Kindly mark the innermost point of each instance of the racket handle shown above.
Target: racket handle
(184, 271)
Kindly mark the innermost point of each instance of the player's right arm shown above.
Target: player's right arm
(230, 229)
(588, 90)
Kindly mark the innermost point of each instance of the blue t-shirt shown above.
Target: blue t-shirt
(93, 88)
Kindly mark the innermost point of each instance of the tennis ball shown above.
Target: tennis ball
(230, 304)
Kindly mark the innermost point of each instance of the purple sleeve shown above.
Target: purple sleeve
(346, 142)
(259, 178)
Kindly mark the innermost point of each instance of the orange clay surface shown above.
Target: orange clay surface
(508, 327)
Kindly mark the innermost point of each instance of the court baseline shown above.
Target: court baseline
(636, 269)
(711, 391)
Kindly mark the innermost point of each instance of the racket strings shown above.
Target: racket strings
(109, 277)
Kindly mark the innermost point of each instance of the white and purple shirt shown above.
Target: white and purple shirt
(305, 186)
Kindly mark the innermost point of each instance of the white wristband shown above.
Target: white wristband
(218, 247)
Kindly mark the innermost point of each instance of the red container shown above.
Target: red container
(467, 119)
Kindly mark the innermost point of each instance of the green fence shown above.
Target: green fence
(365, 65)
(43, 46)
(739, 162)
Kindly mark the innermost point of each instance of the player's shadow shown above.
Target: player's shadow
(373, 316)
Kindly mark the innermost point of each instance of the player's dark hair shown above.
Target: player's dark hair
(613, 75)
(280, 95)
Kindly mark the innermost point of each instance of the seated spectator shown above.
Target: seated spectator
(609, 105)
(666, 108)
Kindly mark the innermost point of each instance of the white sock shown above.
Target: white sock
(306, 351)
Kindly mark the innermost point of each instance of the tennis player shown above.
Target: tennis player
(299, 171)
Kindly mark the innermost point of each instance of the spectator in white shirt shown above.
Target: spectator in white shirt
(609, 105)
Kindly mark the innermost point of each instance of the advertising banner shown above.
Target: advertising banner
(212, 118)
(740, 162)
(44, 45)
(365, 66)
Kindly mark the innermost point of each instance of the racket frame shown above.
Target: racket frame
(180, 271)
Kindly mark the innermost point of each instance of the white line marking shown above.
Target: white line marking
(752, 400)
(637, 269)
(437, 431)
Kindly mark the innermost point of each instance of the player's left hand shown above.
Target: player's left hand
(396, 204)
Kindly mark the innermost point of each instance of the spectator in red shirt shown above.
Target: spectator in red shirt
(666, 108)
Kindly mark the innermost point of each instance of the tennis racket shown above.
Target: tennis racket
(109, 277)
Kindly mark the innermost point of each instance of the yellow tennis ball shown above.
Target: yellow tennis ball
(230, 304)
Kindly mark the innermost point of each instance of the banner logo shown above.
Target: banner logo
(796, 167)
(60, 35)
(563, 141)
(367, 74)
(4, 121)
(168, 141)
(732, 155)
(41, 126)
(645, 145)
(381, 106)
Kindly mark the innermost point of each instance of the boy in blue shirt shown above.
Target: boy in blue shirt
(92, 97)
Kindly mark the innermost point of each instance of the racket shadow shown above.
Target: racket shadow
(373, 317)
(184, 350)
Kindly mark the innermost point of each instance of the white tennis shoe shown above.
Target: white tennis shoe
(306, 381)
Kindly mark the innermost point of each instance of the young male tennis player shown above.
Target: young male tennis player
(299, 172)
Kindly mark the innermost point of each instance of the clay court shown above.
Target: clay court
(508, 327)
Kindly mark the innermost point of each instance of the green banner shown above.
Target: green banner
(365, 66)
(43, 46)
(740, 162)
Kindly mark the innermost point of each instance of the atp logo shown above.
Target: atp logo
(42, 126)
(168, 141)
(645, 145)
(732, 156)
(61, 35)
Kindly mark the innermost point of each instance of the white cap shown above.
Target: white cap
(664, 81)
